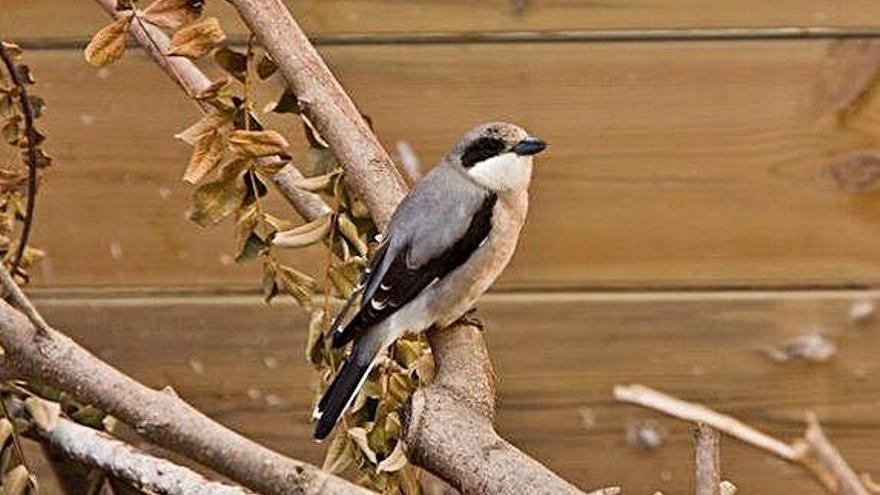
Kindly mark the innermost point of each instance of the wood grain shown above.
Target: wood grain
(243, 364)
(54, 19)
(670, 164)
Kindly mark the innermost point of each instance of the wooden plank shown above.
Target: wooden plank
(670, 164)
(242, 363)
(23, 19)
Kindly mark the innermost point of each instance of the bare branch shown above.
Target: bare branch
(688, 411)
(163, 418)
(814, 452)
(193, 81)
(707, 460)
(828, 465)
(144, 471)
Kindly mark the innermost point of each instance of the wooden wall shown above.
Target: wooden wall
(702, 198)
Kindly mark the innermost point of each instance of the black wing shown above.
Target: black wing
(401, 283)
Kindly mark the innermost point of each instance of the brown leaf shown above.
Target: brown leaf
(350, 232)
(339, 455)
(315, 340)
(15, 482)
(172, 13)
(257, 143)
(359, 436)
(299, 285)
(270, 273)
(205, 157)
(233, 62)
(287, 103)
(304, 235)
(198, 39)
(395, 461)
(212, 121)
(108, 44)
(214, 90)
(216, 200)
(317, 183)
(266, 67)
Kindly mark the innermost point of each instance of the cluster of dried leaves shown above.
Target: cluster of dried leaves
(20, 150)
(234, 156)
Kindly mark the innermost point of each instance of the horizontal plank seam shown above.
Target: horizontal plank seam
(568, 36)
(129, 296)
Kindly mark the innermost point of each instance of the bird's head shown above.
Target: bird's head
(497, 155)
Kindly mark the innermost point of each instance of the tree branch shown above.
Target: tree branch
(450, 432)
(144, 471)
(193, 81)
(161, 417)
(814, 452)
(707, 460)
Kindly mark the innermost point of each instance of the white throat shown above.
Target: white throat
(505, 172)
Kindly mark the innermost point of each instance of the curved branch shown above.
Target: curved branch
(161, 417)
(31, 134)
(450, 432)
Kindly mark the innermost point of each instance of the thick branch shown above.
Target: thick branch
(163, 418)
(193, 82)
(450, 432)
(142, 470)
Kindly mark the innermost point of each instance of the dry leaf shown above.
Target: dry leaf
(317, 183)
(205, 157)
(233, 62)
(214, 90)
(15, 482)
(44, 413)
(287, 103)
(172, 13)
(315, 339)
(339, 456)
(266, 67)
(395, 461)
(210, 122)
(5, 430)
(108, 44)
(359, 435)
(350, 232)
(299, 285)
(304, 235)
(216, 200)
(257, 143)
(198, 39)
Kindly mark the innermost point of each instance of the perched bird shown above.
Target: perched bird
(446, 243)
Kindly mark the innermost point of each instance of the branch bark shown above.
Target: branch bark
(162, 418)
(450, 430)
(707, 460)
(144, 471)
(193, 81)
(814, 452)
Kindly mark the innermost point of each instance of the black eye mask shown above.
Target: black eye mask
(481, 149)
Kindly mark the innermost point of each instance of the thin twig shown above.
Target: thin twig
(688, 411)
(707, 460)
(20, 301)
(31, 134)
(814, 452)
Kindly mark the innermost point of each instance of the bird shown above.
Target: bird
(444, 246)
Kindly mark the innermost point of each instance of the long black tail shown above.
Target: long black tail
(338, 396)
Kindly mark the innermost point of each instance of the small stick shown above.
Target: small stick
(707, 460)
(820, 455)
(652, 399)
(19, 300)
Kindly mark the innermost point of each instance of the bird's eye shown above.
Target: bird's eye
(481, 149)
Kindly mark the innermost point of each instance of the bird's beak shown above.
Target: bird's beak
(529, 146)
